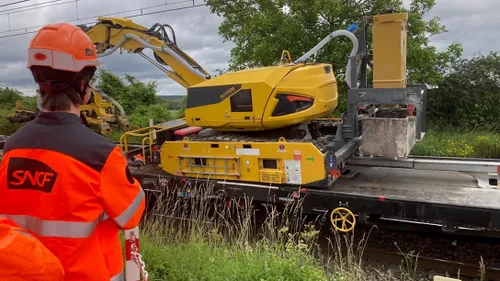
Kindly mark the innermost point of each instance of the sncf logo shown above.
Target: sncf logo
(25, 173)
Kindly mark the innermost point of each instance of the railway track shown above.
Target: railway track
(455, 269)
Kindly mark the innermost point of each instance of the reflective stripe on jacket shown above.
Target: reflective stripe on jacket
(25, 258)
(73, 190)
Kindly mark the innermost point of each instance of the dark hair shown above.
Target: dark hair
(60, 89)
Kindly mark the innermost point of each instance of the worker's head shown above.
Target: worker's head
(63, 60)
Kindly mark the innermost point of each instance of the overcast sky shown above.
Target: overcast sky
(472, 23)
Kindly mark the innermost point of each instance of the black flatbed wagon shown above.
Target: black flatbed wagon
(440, 192)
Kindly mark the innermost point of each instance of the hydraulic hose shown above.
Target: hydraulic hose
(323, 42)
(114, 102)
(156, 48)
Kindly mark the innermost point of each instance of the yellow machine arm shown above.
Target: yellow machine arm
(110, 34)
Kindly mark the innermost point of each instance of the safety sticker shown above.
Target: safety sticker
(331, 161)
(293, 172)
(297, 155)
(281, 148)
(248, 151)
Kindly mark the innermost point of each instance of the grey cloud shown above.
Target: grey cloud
(471, 23)
(196, 33)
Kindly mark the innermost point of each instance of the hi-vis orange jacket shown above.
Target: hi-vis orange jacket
(25, 258)
(72, 189)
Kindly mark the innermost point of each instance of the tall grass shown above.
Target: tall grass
(456, 143)
(205, 236)
(198, 233)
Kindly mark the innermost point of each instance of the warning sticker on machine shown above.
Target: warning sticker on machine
(293, 172)
(248, 151)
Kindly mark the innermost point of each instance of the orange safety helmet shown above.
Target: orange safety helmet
(62, 46)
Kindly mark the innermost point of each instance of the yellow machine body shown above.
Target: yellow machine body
(110, 30)
(236, 124)
(236, 101)
(263, 98)
(389, 50)
(265, 162)
(101, 112)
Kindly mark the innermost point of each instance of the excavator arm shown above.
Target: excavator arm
(110, 34)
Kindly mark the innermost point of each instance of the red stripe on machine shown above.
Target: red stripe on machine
(187, 131)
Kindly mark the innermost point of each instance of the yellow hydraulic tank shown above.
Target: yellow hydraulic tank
(389, 50)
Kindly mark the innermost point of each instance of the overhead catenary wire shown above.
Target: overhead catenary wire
(35, 6)
(138, 13)
(13, 3)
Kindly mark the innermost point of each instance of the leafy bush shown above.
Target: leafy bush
(8, 98)
(133, 96)
(142, 113)
(138, 99)
(468, 98)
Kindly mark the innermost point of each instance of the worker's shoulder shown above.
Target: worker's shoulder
(72, 140)
(16, 139)
(89, 147)
(94, 140)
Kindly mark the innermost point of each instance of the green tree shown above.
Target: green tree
(138, 99)
(261, 29)
(110, 84)
(142, 114)
(183, 108)
(469, 96)
(130, 93)
(8, 98)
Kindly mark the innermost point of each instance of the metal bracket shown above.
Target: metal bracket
(415, 95)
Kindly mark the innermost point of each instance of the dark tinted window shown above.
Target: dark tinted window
(288, 104)
(242, 101)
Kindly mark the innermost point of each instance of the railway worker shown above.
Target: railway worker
(68, 186)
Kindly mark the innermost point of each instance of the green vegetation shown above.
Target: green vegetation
(212, 240)
(8, 98)
(468, 98)
(475, 144)
(139, 100)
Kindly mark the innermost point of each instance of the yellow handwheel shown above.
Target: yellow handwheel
(344, 217)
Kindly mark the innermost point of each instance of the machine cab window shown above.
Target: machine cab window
(242, 101)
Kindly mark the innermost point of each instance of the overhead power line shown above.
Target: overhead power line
(134, 13)
(13, 3)
(35, 6)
